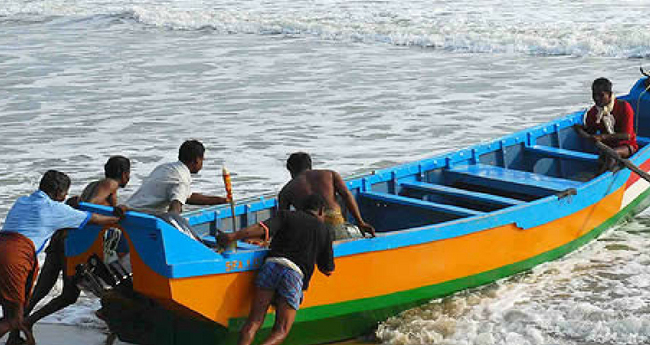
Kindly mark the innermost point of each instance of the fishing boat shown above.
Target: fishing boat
(444, 224)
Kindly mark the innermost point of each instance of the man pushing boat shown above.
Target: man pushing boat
(610, 121)
(164, 192)
(29, 225)
(328, 184)
(299, 241)
(117, 172)
(168, 187)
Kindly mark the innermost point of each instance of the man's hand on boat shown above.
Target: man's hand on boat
(366, 228)
(100, 219)
(120, 211)
(253, 231)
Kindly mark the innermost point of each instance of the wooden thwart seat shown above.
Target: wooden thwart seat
(562, 153)
(401, 200)
(509, 179)
(460, 193)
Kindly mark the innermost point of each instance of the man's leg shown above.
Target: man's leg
(69, 296)
(46, 280)
(5, 321)
(624, 151)
(607, 163)
(259, 307)
(284, 317)
(13, 320)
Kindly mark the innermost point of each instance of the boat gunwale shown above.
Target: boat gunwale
(410, 236)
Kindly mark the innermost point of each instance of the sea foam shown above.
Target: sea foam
(546, 29)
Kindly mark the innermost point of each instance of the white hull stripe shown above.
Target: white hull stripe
(633, 191)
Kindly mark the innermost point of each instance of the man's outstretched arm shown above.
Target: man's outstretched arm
(200, 199)
(253, 231)
(351, 204)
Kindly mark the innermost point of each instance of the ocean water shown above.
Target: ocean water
(361, 85)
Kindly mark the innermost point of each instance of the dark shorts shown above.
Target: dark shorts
(286, 282)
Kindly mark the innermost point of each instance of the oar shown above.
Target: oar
(611, 153)
(228, 184)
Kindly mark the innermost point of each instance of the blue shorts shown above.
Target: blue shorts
(283, 280)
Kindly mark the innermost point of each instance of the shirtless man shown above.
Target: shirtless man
(328, 184)
(104, 192)
(117, 171)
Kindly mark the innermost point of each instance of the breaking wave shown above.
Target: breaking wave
(576, 29)
(595, 296)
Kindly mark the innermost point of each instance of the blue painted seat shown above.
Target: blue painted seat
(460, 193)
(516, 181)
(401, 200)
(562, 153)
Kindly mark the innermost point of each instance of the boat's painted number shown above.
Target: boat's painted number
(240, 265)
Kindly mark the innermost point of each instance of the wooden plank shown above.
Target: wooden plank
(562, 153)
(509, 179)
(400, 200)
(461, 193)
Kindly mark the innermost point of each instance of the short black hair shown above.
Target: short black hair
(54, 182)
(116, 166)
(190, 151)
(313, 202)
(602, 84)
(298, 162)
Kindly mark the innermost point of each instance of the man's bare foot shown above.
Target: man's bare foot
(110, 339)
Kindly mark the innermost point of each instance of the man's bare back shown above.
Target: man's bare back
(306, 181)
(103, 192)
(309, 182)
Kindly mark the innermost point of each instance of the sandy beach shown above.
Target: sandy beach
(57, 334)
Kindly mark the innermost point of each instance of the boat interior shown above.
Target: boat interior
(548, 160)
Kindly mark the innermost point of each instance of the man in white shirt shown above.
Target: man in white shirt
(167, 188)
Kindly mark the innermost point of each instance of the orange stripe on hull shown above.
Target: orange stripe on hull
(225, 296)
(222, 297)
(380, 273)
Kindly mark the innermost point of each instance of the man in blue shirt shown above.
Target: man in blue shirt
(29, 225)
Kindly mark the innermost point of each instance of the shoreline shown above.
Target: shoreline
(61, 334)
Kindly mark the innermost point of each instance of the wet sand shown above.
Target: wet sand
(57, 334)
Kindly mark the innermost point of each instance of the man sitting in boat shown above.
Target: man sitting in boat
(299, 241)
(610, 121)
(117, 172)
(329, 185)
(168, 187)
(29, 225)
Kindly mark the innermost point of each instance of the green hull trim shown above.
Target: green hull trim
(350, 319)
(353, 318)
